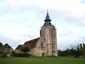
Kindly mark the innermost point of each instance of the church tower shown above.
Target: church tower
(46, 44)
(48, 38)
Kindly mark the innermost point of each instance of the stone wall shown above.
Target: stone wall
(47, 44)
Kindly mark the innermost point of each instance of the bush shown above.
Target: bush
(21, 55)
(4, 55)
(25, 49)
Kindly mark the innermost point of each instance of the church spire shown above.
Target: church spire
(47, 20)
(47, 17)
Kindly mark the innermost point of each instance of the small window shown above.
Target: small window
(40, 32)
(42, 44)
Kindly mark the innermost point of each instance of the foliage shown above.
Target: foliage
(1, 45)
(20, 54)
(4, 55)
(75, 52)
(1, 49)
(13, 52)
(25, 48)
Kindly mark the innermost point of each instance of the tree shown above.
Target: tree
(1, 48)
(25, 49)
(1, 45)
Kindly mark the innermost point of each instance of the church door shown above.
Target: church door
(42, 54)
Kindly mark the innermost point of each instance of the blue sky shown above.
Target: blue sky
(20, 20)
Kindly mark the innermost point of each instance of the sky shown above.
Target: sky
(21, 20)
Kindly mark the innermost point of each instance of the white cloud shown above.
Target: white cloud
(74, 8)
(2, 3)
(20, 2)
(15, 28)
(11, 15)
(16, 31)
(14, 34)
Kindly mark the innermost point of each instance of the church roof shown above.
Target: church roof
(31, 43)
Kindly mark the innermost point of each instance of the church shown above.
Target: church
(46, 44)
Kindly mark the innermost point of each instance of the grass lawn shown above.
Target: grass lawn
(42, 60)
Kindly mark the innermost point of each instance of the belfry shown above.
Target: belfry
(48, 37)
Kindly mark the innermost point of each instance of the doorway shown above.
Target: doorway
(43, 54)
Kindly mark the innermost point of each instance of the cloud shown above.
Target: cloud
(15, 34)
(72, 8)
(20, 20)
(2, 4)
(11, 15)
(14, 31)
(83, 1)
(20, 2)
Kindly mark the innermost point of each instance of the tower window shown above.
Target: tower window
(40, 32)
(42, 44)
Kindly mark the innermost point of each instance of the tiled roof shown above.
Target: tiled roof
(31, 43)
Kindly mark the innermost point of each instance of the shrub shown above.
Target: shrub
(21, 55)
(25, 49)
(4, 55)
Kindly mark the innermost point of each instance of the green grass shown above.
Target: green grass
(42, 60)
